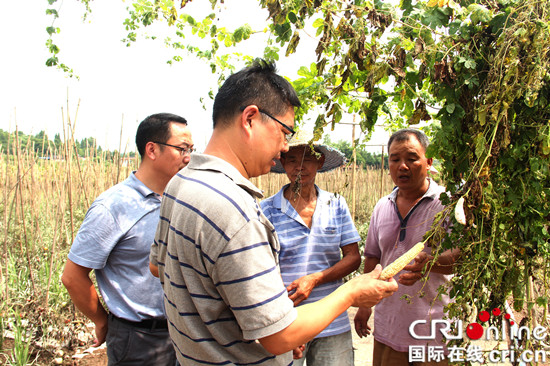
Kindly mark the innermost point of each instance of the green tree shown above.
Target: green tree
(44, 147)
(86, 145)
(477, 69)
(57, 141)
(4, 136)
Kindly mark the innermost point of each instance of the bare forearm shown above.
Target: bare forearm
(370, 264)
(312, 319)
(76, 280)
(86, 299)
(445, 262)
(350, 261)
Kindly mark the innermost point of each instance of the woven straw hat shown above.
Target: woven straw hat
(333, 157)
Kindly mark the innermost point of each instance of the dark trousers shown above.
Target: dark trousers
(136, 346)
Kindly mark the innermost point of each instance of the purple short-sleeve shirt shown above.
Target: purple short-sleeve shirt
(390, 236)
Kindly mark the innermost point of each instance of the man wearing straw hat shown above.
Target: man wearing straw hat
(314, 226)
(217, 254)
(115, 240)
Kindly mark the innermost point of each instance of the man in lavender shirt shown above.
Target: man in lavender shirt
(398, 222)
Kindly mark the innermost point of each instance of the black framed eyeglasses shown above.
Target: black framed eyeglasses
(183, 150)
(290, 131)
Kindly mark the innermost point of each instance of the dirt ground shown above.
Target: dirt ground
(92, 357)
(82, 357)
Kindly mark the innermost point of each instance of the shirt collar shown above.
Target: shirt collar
(213, 163)
(432, 192)
(280, 202)
(133, 182)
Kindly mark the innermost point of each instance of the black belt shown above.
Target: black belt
(146, 323)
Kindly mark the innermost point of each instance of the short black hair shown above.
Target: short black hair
(404, 135)
(258, 85)
(156, 127)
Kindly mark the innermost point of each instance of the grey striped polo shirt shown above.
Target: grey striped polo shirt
(218, 263)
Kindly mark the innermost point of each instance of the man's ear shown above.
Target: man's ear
(151, 150)
(430, 162)
(248, 117)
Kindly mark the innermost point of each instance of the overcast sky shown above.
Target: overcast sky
(119, 86)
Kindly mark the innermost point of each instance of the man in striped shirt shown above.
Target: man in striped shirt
(313, 226)
(217, 254)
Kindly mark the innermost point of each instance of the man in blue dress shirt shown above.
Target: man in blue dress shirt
(115, 239)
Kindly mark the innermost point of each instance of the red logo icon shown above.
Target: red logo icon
(475, 330)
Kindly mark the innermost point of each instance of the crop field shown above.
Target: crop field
(43, 202)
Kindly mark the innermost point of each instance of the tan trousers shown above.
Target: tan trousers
(386, 356)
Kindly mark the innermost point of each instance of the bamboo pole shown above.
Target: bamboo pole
(382, 173)
(22, 211)
(68, 158)
(53, 250)
(5, 252)
(117, 155)
(31, 161)
(354, 157)
(80, 173)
